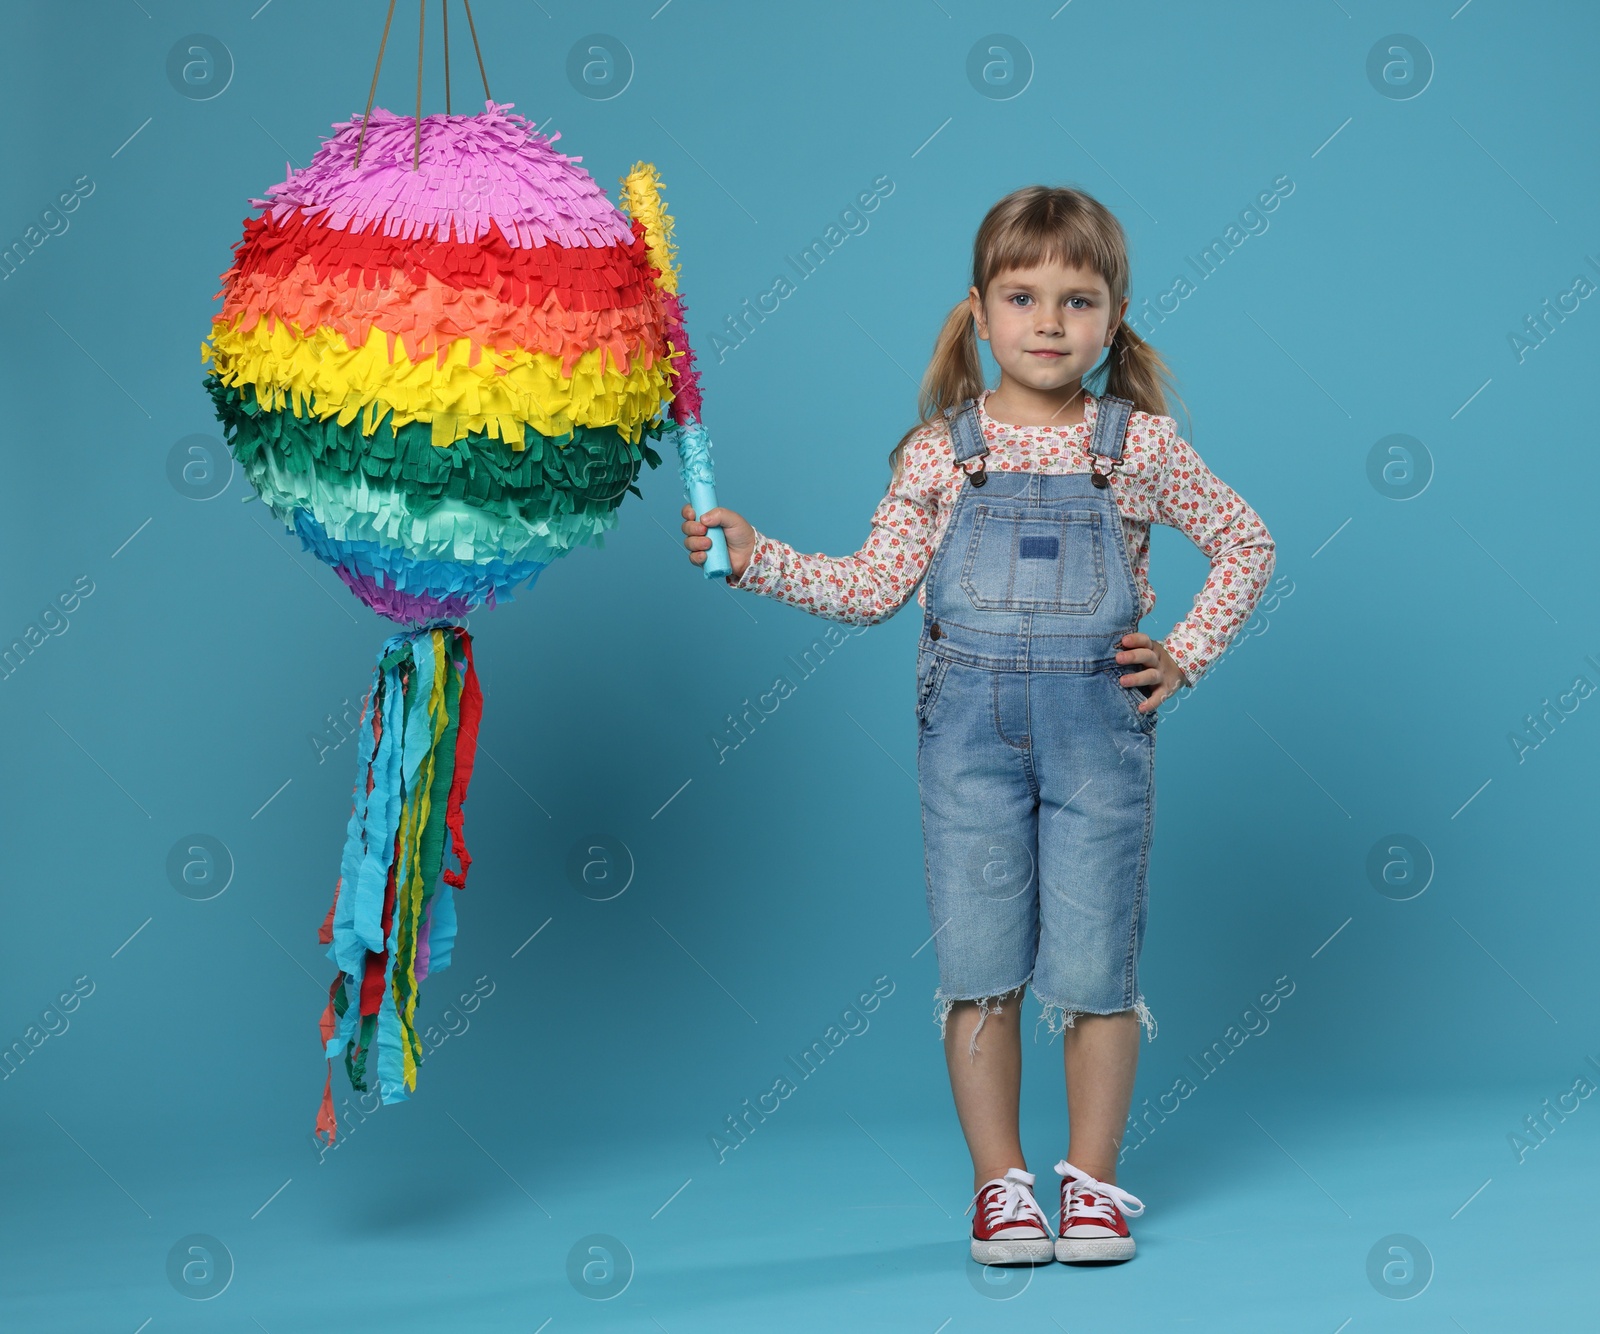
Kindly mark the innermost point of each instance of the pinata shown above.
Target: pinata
(441, 358)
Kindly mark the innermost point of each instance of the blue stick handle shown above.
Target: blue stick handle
(699, 489)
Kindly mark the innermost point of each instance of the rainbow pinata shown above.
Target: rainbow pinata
(444, 378)
(440, 359)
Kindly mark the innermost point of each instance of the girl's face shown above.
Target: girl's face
(1047, 325)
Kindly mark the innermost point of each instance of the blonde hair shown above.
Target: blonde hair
(1032, 226)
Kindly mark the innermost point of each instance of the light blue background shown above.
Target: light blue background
(777, 884)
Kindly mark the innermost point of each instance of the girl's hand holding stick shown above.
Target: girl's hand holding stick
(739, 535)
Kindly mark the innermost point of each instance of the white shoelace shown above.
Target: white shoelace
(1106, 1195)
(1013, 1203)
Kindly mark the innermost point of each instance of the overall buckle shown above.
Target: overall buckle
(1100, 479)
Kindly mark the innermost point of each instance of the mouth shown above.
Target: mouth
(1047, 355)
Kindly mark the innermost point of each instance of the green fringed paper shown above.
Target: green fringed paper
(587, 472)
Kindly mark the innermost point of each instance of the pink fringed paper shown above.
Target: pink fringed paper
(686, 398)
(474, 169)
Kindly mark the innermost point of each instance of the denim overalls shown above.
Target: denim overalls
(1037, 771)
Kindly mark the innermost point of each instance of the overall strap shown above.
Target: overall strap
(1110, 425)
(966, 433)
(1110, 428)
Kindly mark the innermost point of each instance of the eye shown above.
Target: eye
(1020, 296)
(1084, 299)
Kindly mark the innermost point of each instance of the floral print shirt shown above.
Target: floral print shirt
(1160, 480)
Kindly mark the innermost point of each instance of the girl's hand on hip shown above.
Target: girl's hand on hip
(1160, 670)
(739, 535)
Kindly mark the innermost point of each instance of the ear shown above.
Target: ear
(975, 305)
(1116, 321)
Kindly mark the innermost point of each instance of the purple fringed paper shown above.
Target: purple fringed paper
(402, 606)
(474, 170)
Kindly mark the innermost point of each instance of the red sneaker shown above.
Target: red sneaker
(1092, 1222)
(1009, 1228)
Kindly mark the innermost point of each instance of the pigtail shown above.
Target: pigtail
(1134, 370)
(954, 374)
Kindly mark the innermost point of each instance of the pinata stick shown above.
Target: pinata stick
(641, 195)
(699, 488)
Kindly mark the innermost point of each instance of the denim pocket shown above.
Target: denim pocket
(930, 677)
(1133, 696)
(1043, 558)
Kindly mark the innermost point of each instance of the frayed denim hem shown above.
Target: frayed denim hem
(1059, 1018)
(986, 1005)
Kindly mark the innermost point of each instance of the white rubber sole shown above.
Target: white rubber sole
(1016, 1252)
(1082, 1250)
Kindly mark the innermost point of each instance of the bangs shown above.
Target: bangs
(1044, 225)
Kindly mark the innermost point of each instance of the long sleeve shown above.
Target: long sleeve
(876, 581)
(1242, 553)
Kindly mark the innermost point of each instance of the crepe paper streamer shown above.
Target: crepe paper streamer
(641, 192)
(389, 925)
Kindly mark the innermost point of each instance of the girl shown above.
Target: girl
(1028, 508)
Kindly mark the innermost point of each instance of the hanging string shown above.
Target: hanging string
(373, 91)
(422, 17)
(476, 48)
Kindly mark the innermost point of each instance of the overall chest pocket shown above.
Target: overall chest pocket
(1039, 558)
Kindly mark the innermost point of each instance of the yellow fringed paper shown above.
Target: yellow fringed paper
(641, 198)
(464, 389)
